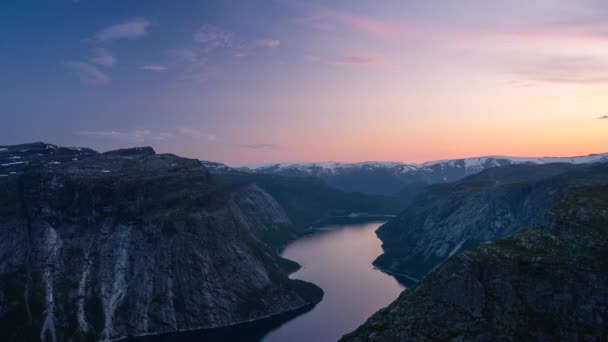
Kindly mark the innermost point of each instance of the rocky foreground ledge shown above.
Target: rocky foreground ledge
(541, 284)
(100, 246)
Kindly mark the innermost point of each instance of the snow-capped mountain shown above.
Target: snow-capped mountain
(389, 178)
(218, 168)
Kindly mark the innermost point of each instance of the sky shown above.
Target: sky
(254, 82)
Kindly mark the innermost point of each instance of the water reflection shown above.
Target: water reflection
(339, 261)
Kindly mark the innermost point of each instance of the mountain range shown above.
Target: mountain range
(103, 246)
(396, 178)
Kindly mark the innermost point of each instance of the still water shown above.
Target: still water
(339, 261)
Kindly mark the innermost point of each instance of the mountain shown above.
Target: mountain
(219, 168)
(446, 218)
(101, 246)
(391, 178)
(306, 202)
(540, 284)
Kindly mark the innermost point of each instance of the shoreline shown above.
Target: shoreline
(395, 273)
(304, 308)
(313, 229)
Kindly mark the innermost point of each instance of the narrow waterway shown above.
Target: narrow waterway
(339, 261)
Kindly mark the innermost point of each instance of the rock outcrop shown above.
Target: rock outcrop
(541, 284)
(125, 243)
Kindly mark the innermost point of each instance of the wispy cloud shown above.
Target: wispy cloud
(196, 133)
(213, 37)
(257, 146)
(130, 29)
(103, 57)
(178, 56)
(565, 69)
(139, 135)
(327, 19)
(192, 64)
(357, 60)
(153, 67)
(195, 62)
(312, 58)
(520, 83)
(143, 135)
(603, 117)
(267, 43)
(87, 73)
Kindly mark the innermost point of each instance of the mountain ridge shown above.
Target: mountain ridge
(445, 218)
(405, 180)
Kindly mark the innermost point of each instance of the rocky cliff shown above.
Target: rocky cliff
(479, 209)
(541, 284)
(103, 246)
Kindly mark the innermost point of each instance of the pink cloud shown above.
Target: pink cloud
(357, 60)
(312, 58)
(520, 83)
(326, 19)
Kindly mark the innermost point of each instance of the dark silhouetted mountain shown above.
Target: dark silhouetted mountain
(479, 209)
(103, 246)
(540, 284)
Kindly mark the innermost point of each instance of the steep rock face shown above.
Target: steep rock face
(541, 284)
(262, 214)
(130, 243)
(481, 208)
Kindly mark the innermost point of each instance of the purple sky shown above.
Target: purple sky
(249, 82)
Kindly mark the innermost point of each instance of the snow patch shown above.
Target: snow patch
(86, 269)
(52, 246)
(112, 294)
(14, 163)
(457, 248)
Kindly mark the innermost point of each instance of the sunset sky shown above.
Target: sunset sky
(251, 82)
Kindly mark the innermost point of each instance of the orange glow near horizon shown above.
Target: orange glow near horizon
(291, 81)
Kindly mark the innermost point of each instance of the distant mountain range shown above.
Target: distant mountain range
(396, 178)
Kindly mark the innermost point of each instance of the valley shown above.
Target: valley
(131, 244)
(304, 171)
